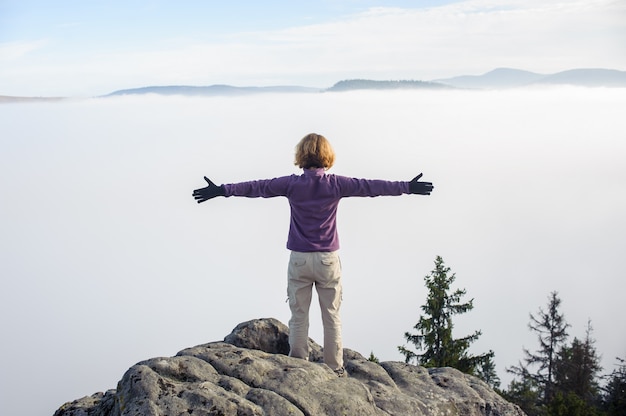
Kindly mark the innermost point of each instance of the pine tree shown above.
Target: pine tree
(524, 392)
(487, 372)
(551, 331)
(435, 326)
(615, 391)
(576, 370)
(373, 358)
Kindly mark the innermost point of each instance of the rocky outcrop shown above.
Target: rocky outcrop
(249, 373)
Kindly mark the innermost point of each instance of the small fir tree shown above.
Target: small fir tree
(373, 358)
(487, 372)
(435, 326)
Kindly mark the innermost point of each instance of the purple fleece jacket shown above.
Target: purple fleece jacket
(314, 197)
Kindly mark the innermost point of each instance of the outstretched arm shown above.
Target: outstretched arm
(211, 191)
(421, 188)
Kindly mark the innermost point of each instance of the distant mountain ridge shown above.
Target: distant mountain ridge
(513, 78)
(500, 78)
(211, 90)
(12, 99)
(497, 79)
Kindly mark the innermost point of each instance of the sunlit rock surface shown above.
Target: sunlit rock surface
(249, 373)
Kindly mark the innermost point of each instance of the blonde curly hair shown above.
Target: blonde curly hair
(314, 151)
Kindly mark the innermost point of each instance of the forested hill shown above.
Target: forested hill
(514, 78)
(366, 84)
(346, 85)
(211, 90)
(500, 78)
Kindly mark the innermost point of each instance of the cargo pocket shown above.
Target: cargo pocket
(330, 259)
(298, 262)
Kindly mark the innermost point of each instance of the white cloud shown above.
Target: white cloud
(391, 43)
(470, 37)
(11, 51)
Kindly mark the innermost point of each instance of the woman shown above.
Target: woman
(313, 240)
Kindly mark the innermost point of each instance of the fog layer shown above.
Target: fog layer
(107, 260)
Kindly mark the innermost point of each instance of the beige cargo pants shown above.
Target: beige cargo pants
(322, 269)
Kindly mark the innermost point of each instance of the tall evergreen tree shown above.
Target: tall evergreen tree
(551, 330)
(576, 370)
(435, 326)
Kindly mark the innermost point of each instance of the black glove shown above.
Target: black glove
(211, 191)
(422, 188)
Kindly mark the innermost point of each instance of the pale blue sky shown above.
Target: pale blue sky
(80, 48)
(167, 18)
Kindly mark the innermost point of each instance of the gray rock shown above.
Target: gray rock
(249, 373)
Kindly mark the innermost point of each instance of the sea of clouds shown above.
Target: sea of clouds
(107, 260)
